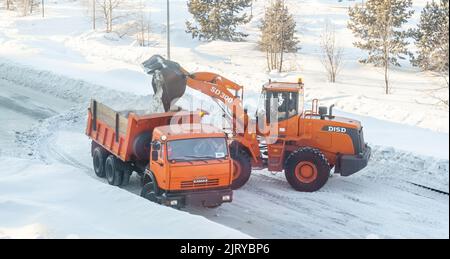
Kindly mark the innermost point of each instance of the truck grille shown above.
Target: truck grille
(193, 184)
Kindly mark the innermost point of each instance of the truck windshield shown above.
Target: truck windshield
(197, 149)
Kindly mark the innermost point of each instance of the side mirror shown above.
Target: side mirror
(156, 146)
(155, 155)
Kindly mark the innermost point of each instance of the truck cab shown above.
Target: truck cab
(188, 164)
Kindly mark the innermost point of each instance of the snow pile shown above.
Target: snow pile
(57, 201)
(74, 90)
(409, 167)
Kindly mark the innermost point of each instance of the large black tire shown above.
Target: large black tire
(98, 160)
(150, 192)
(113, 171)
(307, 169)
(242, 167)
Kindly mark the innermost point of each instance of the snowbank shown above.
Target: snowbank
(57, 201)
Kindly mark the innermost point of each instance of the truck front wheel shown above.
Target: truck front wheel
(98, 159)
(307, 169)
(149, 192)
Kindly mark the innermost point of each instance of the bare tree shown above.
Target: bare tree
(8, 4)
(441, 93)
(107, 8)
(23, 7)
(143, 25)
(331, 53)
(91, 11)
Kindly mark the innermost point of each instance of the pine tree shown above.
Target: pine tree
(277, 34)
(378, 26)
(431, 37)
(217, 19)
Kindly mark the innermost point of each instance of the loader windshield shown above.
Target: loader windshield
(197, 149)
(279, 106)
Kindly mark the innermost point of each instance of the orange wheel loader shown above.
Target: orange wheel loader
(283, 136)
(179, 160)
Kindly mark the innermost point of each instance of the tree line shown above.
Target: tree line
(378, 26)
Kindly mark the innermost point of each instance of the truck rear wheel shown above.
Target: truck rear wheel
(242, 167)
(113, 173)
(307, 170)
(98, 160)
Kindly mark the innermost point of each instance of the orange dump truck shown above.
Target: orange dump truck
(180, 161)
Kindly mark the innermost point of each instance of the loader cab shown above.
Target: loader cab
(279, 108)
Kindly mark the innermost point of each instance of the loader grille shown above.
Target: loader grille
(194, 184)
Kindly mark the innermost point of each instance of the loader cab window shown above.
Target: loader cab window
(282, 105)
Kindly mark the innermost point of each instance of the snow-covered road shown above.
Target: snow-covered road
(380, 201)
(21, 107)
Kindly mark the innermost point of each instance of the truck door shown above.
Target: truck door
(157, 163)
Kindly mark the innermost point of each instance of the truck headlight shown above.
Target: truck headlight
(173, 203)
(226, 198)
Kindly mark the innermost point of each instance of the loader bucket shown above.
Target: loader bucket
(168, 81)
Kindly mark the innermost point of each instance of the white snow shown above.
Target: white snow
(379, 201)
(57, 201)
(50, 68)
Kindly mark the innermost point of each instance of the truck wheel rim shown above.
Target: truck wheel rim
(236, 170)
(306, 172)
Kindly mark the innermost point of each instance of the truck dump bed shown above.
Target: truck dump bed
(117, 131)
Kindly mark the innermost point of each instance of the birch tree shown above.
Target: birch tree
(331, 56)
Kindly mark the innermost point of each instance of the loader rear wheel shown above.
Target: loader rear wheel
(307, 170)
(242, 168)
(98, 160)
(113, 172)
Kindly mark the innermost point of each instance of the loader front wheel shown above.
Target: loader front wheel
(98, 160)
(113, 172)
(307, 170)
(242, 168)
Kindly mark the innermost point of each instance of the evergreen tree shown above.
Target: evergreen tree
(378, 26)
(277, 34)
(431, 37)
(217, 19)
